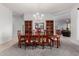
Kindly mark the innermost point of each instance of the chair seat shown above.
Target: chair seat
(54, 38)
(36, 41)
(22, 40)
(28, 41)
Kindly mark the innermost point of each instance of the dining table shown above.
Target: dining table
(38, 37)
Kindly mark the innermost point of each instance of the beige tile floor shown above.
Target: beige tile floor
(7, 44)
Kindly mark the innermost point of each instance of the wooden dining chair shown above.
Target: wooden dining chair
(56, 40)
(45, 39)
(29, 39)
(21, 38)
(37, 36)
(58, 34)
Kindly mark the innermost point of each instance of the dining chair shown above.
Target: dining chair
(21, 39)
(58, 34)
(37, 36)
(56, 40)
(28, 38)
(45, 39)
(32, 40)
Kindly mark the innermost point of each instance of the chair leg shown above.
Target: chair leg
(57, 44)
(32, 45)
(35, 45)
(50, 45)
(25, 45)
(19, 44)
(42, 45)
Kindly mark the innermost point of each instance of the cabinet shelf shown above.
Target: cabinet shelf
(49, 27)
(28, 27)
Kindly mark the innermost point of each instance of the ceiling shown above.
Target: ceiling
(22, 8)
(53, 8)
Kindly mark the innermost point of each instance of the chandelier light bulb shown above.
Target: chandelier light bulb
(37, 13)
(34, 15)
(38, 16)
(42, 15)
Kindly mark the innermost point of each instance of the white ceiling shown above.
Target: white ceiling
(38, 7)
(53, 8)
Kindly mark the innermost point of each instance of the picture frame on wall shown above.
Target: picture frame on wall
(39, 25)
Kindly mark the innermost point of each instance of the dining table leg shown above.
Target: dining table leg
(57, 43)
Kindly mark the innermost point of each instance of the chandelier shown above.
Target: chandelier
(38, 16)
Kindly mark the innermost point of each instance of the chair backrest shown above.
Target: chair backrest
(58, 32)
(19, 34)
(46, 36)
(37, 33)
(28, 37)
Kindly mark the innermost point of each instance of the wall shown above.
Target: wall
(75, 24)
(5, 24)
(78, 25)
(73, 14)
(61, 17)
(18, 24)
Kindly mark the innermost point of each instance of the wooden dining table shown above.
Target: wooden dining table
(39, 37)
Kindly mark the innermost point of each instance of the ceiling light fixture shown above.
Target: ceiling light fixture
(38, 16)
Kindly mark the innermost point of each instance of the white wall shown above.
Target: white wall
(78, 25)
(61, 17)
(5, 24)
(73, 14)
(75, 24)
(62, 14)
(18, 24)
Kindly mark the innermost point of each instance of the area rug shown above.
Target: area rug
(66, 49)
